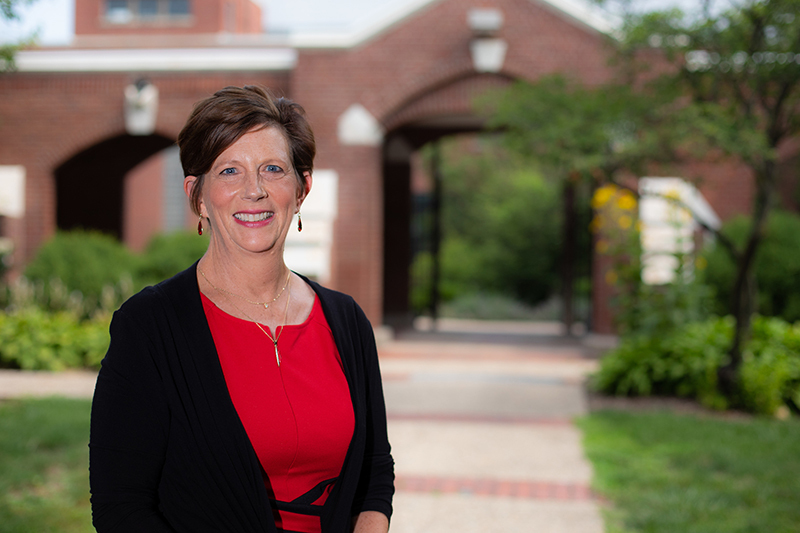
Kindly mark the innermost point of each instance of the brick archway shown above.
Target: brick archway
(90, 185)
(448, 108)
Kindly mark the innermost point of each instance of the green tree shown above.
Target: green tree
(581, 137)
(8, 11)
(691, 85)
(732, 78)
(500, 221)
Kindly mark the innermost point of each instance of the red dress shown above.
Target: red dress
(299, 416)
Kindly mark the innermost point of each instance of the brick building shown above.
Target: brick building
(90, 128)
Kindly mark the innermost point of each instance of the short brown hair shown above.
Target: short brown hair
(220, 120)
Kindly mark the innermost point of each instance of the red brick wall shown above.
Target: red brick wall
(45, 119)
(208, 16)
(142, 211)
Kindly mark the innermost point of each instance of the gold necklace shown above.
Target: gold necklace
(265, 304)
(282, 326)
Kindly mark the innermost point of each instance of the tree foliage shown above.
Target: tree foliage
(8, 11)
(500, 225)
(713, 82)
(735, 75)
(566, 127)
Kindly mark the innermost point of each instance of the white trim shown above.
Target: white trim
(12, 190)
(687, 193)
(309, 252)
(357, 127)
(168, 59)
(586, 13)
(668, 228)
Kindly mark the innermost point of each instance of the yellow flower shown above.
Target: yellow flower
(603, 195)
(625, 222)
(700, 263)
(626, 201)
(611, 277)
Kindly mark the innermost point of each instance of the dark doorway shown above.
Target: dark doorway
(90, 185)
(399, 206)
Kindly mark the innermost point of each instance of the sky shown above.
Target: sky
(54, 19)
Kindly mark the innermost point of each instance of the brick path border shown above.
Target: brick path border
(533, 490)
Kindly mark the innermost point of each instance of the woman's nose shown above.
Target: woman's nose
(253, 187)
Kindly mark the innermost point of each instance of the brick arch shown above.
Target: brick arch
(445, 108)
(452, 97)
(90, 185)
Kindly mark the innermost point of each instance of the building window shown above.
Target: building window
(133, 11)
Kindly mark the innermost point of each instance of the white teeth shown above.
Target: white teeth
(249, 217)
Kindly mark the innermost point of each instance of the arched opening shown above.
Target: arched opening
(558, 268)
(90, 186)
(399, 207)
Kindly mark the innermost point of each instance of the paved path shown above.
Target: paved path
(480, 420)
(480, 425)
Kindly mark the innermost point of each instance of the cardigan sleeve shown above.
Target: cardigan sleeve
(129, 428)
(376, 484)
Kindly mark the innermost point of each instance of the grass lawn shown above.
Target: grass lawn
(44, 458)
(671, 473)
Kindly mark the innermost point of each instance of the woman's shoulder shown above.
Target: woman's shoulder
(330, 297)
(151, 298)
(341, 310)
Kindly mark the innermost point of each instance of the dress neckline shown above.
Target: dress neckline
(315, 307)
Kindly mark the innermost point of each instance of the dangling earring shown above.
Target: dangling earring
(200, 226)
(299, 222)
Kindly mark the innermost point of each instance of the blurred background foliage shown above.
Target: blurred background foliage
(501, 235)
(56, 316)
(777, 266)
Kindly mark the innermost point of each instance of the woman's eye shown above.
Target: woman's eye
(273, 172)
(228, 172)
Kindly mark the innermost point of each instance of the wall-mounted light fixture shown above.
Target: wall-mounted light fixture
(488, 50)
(141, 108)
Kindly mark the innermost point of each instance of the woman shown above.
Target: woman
(239, 396)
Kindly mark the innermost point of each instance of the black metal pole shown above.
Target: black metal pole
(436, 231)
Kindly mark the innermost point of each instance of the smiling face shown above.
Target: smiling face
(250, 194)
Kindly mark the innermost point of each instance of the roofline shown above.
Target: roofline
(586, 14)
(369, 28)
(164, 59)
(579, 11)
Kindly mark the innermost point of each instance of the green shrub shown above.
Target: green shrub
(770, 374)
(685, 363)
(777, 266)
(168, 254)
(90, 263)
(34, 339)
(57, 316)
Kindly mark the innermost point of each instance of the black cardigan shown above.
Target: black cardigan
(168, 451)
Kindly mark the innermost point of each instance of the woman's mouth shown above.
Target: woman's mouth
(253, 217)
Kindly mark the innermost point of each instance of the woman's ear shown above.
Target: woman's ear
(189, 183)
(302, 192)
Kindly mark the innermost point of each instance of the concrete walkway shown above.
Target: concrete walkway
(480, 421)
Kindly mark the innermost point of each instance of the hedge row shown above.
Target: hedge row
(34, 339)
(685, 363)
